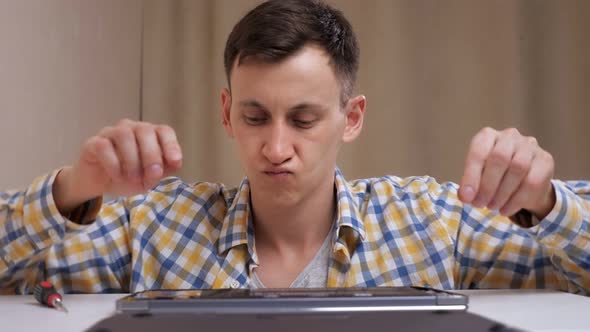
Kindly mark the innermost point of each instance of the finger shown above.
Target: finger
(171, 148)
(481, 145)
(123, 140)
(494, 169)
(516, 173)
(532, 187)
(126, 123)
(516, 201)
(150, 154)
(102, 151)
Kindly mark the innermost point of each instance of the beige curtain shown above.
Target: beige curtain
(434, 73)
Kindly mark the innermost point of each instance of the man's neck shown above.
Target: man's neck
(300, 227)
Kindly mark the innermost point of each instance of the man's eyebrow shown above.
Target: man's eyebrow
(251, 103)
(307, 107)
(295, 109)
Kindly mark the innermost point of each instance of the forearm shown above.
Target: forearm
(37, 241)
(29, 224)
(68, 194)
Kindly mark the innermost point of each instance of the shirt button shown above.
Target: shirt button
(53, 234)
(234, 284)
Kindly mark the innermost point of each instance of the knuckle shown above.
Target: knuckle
(482, 134)
(519, 166)
(488, 131)
(482, 139)
(93, 142)
(167, 134)
(164, 129)
(500, 157)
(532, 141)
(121, 134)
(513, 132)
(100, 145)
(125, 122)
(143, 128)
(105, 131)
(548, 157)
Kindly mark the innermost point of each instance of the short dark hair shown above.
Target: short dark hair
(276, 29)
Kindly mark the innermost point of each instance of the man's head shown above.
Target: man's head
(291, 66)
(277, 29)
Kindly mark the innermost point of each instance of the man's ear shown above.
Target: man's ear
(225, 109)
(355, 112)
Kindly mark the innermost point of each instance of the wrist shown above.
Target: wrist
(546, 204)
(66, 191)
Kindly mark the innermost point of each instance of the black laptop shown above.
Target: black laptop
(296, 309)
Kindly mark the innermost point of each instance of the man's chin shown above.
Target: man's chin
(282, 191)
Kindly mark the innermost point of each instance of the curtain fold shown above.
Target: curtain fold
(434, 73)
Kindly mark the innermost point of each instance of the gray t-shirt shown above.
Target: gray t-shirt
(315, 274)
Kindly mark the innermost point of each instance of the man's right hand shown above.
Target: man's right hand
(127, 159)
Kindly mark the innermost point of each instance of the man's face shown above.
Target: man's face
(288, 124)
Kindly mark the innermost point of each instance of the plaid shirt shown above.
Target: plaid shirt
(389, 231)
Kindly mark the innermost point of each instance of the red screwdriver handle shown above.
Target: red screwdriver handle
(46, 294)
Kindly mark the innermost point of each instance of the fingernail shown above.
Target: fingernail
(468, 193)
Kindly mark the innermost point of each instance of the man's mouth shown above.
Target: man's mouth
(277, 173)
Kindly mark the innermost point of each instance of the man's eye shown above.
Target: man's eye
(254, 121)
(303, 124)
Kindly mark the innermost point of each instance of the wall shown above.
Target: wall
(67, 68)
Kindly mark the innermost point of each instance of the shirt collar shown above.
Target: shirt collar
(348, 210)
(237, 228)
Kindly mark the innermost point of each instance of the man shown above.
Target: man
(294, 221)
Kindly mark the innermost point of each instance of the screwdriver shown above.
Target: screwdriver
(46, 294)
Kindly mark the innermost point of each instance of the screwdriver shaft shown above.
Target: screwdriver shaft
(58, 304)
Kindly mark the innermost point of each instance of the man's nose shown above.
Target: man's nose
(278, 147)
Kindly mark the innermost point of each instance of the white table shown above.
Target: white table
(532, 310)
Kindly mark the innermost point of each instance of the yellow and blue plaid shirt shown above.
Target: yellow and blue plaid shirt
(389, 231)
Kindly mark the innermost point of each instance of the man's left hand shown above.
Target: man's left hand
(507, 171)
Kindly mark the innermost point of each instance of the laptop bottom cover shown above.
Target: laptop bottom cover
(341, 322)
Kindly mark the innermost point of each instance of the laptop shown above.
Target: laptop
(291, 300)
(296, 309)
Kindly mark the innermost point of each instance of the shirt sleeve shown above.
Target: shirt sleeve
(491, 251)
(38, 243)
